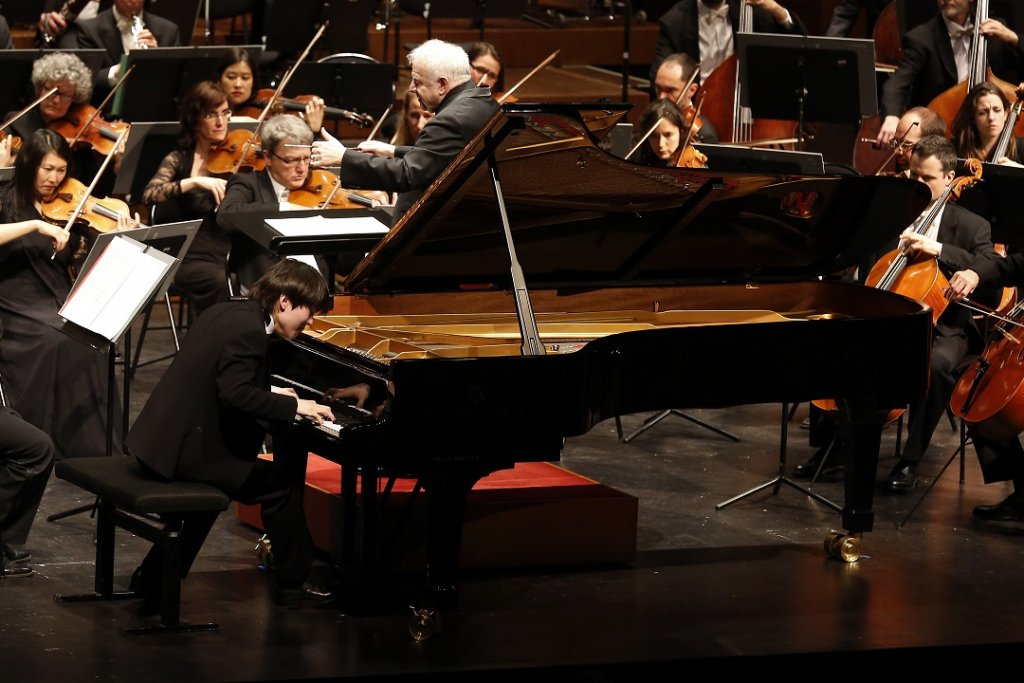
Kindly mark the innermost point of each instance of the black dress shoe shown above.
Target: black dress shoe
(13, 555)
(14, 571)
(831, 472)
(807, 469)
(902, 478)
(310, 594)
(1009, 510)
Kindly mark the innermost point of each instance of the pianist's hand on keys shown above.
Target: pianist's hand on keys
(313, 411)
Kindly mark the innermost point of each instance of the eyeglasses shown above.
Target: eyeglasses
(63, 95)
(214, 115)
(294, 161)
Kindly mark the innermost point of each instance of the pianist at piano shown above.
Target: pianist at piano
(441, 81)
(206, 418)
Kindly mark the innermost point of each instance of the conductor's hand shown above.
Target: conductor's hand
(314, 113)
(313, 411)
(327, 152)
(58, 235)
(962, 284)
(356, 394)
(381, 149)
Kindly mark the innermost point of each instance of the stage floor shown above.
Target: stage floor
(716, 594)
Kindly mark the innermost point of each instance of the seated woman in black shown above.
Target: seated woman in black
(980, 123)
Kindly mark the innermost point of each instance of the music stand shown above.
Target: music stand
(290, 24)
(183, 13)
(807, 78)
(365, 88)
(16, 66)
(760, 160)
(161, 77)
(478, 11)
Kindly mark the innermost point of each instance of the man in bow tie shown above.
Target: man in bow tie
(704, 29)
(935, 58)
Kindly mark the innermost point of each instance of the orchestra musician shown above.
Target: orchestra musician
(670, 83)
(959, 240)
(113, 30)
(6, 42)
(845, 15)
(221, 401)
(487, 65)
(662, 145)
(980, 122)
(1000, 459)
(56, 383)
(26, 452)
(412, 119)
(239, 77)
(916, 123)
(182, 189)
(442, 83)
(935, 58)
(704, 29)
(286, 141)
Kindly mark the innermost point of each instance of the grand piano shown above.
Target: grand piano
(541, 286)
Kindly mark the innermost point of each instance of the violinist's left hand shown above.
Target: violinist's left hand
(920, 244)
(127, 222)
(315, 114)
(992, 28)
(962, 284)
(381, 149)
(327, 152)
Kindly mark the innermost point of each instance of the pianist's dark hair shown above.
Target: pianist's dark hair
(33, 152)
(938, 147)
(301, 283)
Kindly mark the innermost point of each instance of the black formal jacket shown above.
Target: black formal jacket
(929, 68)
(207, 416)
(101, 32)
(677, 29)
(461, 114)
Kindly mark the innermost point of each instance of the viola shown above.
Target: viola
(15, 141)
(690, 157)
(100, 215)
(323, 190)
(83, 127)
(297, 105)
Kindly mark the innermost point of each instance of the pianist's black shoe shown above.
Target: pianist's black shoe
(13, 555)
(902, 478)
(311, 593)
(1009, 510)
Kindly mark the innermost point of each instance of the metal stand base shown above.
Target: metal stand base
(658, 417)
(781, 478)
(91, 508)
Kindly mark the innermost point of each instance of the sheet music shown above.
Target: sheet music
(319, 226)
(116, 288)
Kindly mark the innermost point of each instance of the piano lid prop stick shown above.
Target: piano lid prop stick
(527, 77)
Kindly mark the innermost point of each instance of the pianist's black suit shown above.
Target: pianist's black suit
(966, 242)
(205, 421)
(461, 114)
(929, 68)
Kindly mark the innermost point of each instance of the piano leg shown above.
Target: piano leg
(862, 427)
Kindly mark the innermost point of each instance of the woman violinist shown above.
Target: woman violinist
(58, 384)
(487, 65)
(664, 144)
(183, 189)
(238, 75)
(980, 123)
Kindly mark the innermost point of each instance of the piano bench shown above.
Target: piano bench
(130, 498)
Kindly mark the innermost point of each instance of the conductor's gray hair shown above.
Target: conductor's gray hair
(437, 59)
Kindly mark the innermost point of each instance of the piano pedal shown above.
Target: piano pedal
(845, 547)
(425, 623)
(264, 553)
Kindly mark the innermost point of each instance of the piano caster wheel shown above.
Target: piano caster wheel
(264, 552)
(845, 547)
(425, 623)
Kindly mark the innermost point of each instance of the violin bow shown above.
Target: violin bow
(896, 147)
(686, 88)
(29, 108)
(643, 138)
(692, 129)
(380, 122)
(678, 100)
(96, 112)
(88, 191)
(277, 93)
(527, 77)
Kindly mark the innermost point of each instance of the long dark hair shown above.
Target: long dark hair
(201, 99)
(234, 56)
(965, 132)
(27, 164)
(656, 110)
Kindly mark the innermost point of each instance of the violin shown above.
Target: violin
(100, 215)
(84, 128)
(323, 190)
(15, 141)
(297, 105)
(687, 156)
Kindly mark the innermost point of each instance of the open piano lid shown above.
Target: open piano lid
(582, 217)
